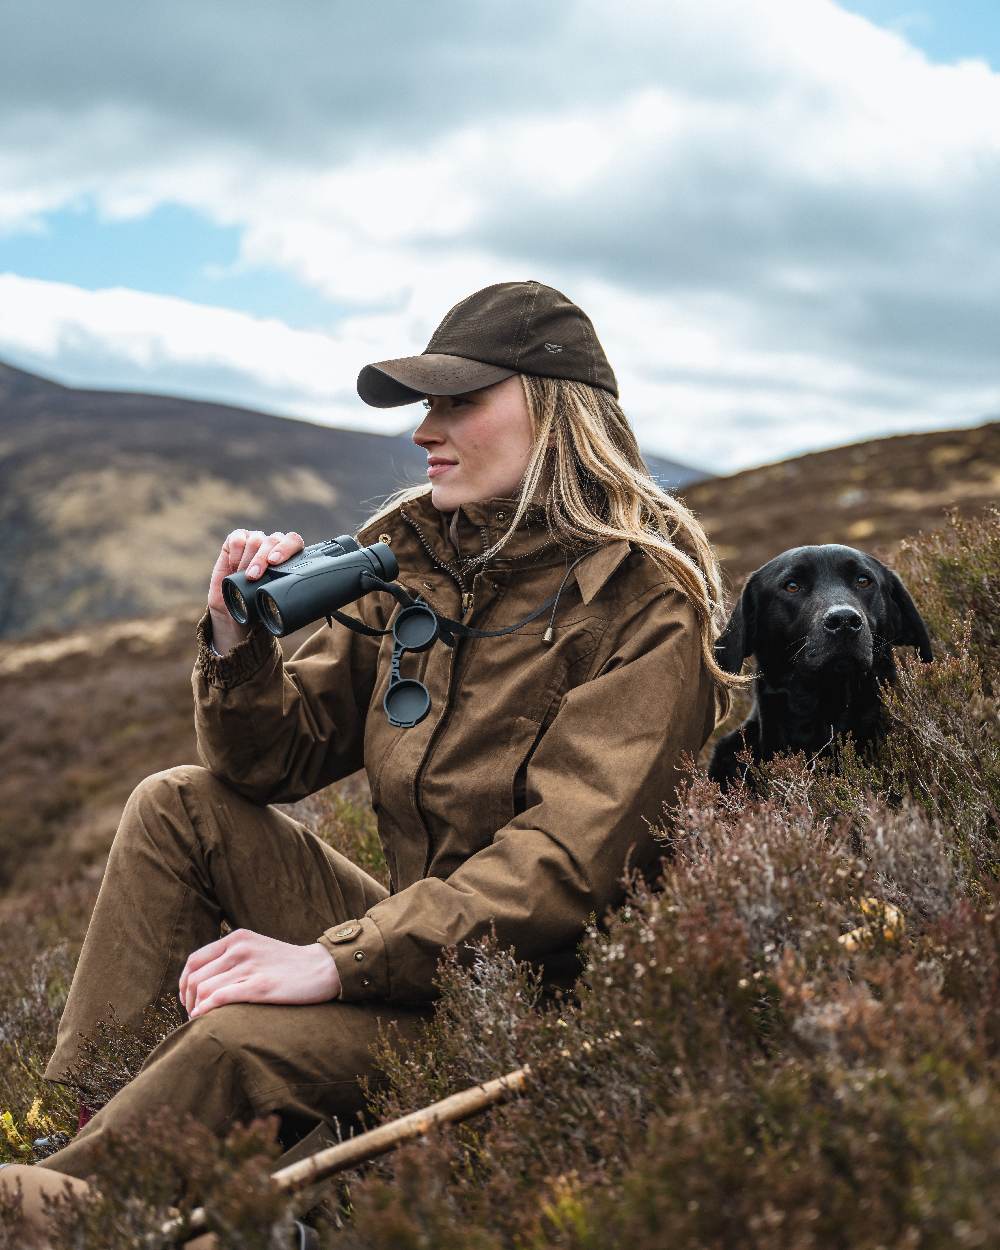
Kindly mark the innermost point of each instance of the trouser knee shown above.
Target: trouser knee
(165, 790)
(195, 1070)
(164, 803)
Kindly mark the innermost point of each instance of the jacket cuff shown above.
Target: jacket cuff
(358, 950)
(238, 665)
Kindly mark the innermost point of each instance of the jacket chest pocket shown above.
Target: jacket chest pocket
(525, 675)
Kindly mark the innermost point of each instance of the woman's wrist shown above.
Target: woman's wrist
(226, 633)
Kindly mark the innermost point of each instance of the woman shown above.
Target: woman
(517, 802)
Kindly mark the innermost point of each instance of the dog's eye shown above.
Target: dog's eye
(792, 586)
(863, 579)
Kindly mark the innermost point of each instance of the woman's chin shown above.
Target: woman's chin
(446, 498)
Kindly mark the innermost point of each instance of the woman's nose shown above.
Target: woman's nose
(424, 433)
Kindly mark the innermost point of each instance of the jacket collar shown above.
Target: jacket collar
(460, 536)
(479, 524)
(594, 571)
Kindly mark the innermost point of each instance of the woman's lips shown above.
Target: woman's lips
(435, 470)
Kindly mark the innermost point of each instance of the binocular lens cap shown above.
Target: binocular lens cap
(415, 628)
(406, 703)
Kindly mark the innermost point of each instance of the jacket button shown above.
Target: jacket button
(385, 538)
(359, 955)
(502, 517)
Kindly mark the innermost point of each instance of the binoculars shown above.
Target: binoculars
(330, 574)
(309, 586)
(324, 577)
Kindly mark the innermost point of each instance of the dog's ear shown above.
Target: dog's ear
(907, 628)
(739, 638)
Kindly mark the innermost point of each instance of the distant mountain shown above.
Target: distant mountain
(114, 504)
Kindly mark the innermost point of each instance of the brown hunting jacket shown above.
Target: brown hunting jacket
(520, 797)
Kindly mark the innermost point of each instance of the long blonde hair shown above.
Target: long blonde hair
(597, 489)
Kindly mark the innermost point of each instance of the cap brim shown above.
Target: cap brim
(390, 383)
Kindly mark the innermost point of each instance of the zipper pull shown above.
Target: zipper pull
(466, 601)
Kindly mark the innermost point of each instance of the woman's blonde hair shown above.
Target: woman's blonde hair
(597, 489)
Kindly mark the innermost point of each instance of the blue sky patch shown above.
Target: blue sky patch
(169, 251)
(946, 30)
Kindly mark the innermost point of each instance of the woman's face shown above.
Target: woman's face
(486, 434)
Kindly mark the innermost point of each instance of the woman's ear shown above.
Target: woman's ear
(739, 638)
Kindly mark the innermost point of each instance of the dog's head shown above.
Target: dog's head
(821, 609)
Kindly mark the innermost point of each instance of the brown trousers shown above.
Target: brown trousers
(190, 852)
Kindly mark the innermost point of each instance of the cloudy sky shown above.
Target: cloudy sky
(783, 216)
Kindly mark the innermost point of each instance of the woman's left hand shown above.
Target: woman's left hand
(247, 967)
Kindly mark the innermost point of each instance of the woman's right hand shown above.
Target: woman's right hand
(250, 552)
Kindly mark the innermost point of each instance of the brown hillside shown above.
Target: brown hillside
(83, 718)
(865, 495)
(114, 505)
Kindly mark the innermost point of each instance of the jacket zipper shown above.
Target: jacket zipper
(466, 605)
(484, 535)
(448, 568)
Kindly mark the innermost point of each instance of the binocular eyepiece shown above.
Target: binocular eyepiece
(309, 586)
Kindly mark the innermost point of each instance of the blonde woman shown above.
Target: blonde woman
(518, 801)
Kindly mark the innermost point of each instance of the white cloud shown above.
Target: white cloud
(702, 403)
(778, 215)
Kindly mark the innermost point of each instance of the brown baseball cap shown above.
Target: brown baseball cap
(507, 328)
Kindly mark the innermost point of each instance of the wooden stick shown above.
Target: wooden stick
(377, 1141)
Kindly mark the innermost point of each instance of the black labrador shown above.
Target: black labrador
(821, 622)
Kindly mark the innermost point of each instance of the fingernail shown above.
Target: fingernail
(275, 555)
(253, 570)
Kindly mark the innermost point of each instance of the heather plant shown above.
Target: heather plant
(111, 1055)
(789, 1039)
(730, 1073)
(161, 1170)
(953, 573)
(40, 947)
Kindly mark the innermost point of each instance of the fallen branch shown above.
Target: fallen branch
(377, 1141)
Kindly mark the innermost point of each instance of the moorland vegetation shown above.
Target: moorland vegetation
(790, 1041)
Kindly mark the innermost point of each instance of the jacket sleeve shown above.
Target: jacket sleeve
(609, 758)
(274, 729)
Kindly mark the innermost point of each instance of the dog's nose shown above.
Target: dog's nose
(843, 618)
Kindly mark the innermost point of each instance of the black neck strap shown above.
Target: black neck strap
(448, 629)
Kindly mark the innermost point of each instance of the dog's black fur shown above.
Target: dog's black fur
(821, 623)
